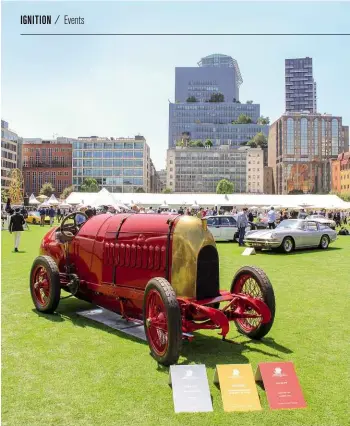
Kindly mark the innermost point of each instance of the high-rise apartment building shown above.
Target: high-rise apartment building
(11, 153)
(47, 161)
(118, 164)
(300, 86)
(195, 169)
(199, 113)
(300, 148)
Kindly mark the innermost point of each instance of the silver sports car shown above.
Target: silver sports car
(292, 234)
(322, 219)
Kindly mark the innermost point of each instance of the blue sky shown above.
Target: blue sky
(120, 86)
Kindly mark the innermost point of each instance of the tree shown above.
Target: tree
(249, 102)
(15, 191)
(263, 120)
(4, 195)
(140, 190)
(47, 189)
(217, 97)
(89, 185)
(252, 144)
(243, 119)
(67, 191)
(225, 187)
(208, 143)
(196, 143)
(191, 99)
(259, 140)
(167, 191)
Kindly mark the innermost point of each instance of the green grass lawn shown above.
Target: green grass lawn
(64, 370)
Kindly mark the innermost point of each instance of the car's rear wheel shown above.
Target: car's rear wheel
(34, 221)
(324, 243)
(287, 245)
(44, 284)
(254, 282)
(162, 320)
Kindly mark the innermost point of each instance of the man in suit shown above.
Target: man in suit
(16, 226)
(242, 223)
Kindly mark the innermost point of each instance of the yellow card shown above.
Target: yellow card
(238, 388)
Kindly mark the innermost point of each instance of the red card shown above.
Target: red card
(281, 385)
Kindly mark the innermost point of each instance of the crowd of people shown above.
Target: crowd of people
(16, 218)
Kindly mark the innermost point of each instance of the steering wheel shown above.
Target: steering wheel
(70, 229)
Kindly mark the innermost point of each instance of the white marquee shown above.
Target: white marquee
(210, 200)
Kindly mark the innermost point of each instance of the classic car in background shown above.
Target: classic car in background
(321, 219)
(224, 227)
(34, 218)
(160, 270)
(292, 234)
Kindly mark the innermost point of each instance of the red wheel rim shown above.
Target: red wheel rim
(41, 285)
(247, 284)
(156, 323)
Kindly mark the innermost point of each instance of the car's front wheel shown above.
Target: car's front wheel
(324, 243)
(34, 221)
(162, 321)
(253, 282)
(44, 284)
(287, 245)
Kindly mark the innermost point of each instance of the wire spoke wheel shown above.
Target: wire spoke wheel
(41, 285)
(44, 284)
(156, 322)
(162, 321)
(248, 285)
(253, 282)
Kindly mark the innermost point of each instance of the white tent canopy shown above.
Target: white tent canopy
(328, 201)
(33, 200)
(53, 200)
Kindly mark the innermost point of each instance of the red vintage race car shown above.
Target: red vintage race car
(156, 269)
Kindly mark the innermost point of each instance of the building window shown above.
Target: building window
(316, 147)
(303, 136)
(290, 136)
(335, 137)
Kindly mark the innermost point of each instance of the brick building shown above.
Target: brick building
(341, 174)
(47, 161)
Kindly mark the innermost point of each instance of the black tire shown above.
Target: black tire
(324, 242)
(34, 222)
(235, 237)
(287, 245)
(174, 322)
(55, 287)
(268, 297)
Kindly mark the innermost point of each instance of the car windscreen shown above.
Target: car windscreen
(291, 224)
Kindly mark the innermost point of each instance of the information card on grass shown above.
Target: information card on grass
(190, 385)
(281, 385)
(238, 388)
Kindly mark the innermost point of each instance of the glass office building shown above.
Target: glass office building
(119, 165)
(200, 169)
(300, 149)
(193, 112)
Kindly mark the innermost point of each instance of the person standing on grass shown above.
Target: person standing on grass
(51, 215)
(16, 226)
(271, 218)
(42, 216)
(242, 223)
(59, 215)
